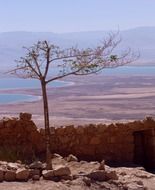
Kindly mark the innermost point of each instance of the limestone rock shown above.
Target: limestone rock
(12, 166)
(22, 174)
(71, 158)
(98, 175)
(10, 175)
(48, 174)
(61, 171)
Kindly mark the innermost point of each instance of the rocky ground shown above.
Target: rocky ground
(71, 174)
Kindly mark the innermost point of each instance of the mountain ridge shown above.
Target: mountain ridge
(140, 39)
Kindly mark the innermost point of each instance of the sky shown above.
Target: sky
(61, 16)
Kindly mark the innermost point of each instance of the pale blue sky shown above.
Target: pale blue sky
(75, 15)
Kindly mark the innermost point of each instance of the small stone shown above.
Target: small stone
(10, 175)
(106, 186)
(102, 165)
(12, 166)
(48, 174)
(36, 165)
(19, 162)
(71, 158)
(98, 175)
(133, 186)
(22, 174)
(36, 177)
(67, 177)
(62, 171)
(140, 182)
(87, 181)
(34, 172)
(56, 156)
(123, 173)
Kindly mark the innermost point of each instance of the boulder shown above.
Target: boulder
(25, 116)
(10, 175)
(1, 175)
(36, 165)
(71, 158)
(61, 171)
(98, 175)
(48, 174)
(22, 174)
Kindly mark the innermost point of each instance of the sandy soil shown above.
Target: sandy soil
(92, 99)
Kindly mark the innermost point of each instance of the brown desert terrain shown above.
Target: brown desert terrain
(91, 99)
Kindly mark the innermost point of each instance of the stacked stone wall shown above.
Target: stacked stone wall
(20, 139)
(113, 143)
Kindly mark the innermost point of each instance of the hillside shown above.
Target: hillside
(141, 39)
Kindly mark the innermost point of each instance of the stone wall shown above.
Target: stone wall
(20, 139)
(115, 143)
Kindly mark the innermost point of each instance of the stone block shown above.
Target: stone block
(25, 116)
(95, 140)
(22, 174)
(61, 171)
(48, 174)
(98, 175)
(80, 130)
(10, 175)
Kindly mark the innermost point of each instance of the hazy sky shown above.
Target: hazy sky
(75, 15)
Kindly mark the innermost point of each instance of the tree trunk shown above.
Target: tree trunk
(47, 125)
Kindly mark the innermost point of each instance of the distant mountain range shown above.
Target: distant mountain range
(141, 39)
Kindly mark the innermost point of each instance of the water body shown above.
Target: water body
(131, 70)
(13, 98)
(16, 83)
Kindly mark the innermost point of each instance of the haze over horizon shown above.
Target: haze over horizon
(67, 16)
(67, 23)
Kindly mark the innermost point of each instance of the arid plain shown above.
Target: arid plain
(91, 99)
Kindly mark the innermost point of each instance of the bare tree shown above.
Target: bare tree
(43, 57)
